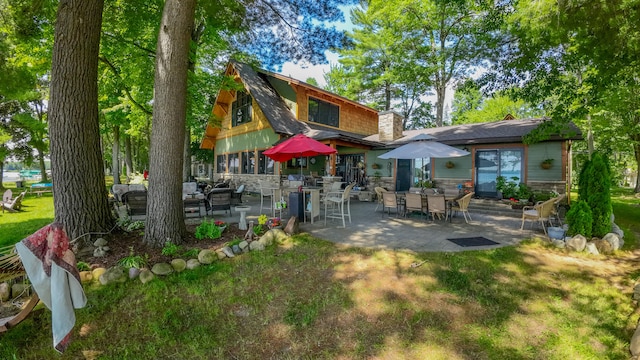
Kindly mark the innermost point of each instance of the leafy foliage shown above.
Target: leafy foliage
(208, 230)
(170, 249)
(580, 219)
(133, 261)
(599, 194)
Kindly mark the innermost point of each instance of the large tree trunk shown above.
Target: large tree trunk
(128, 159)
(165, 214)
(43, 168)
(115, 155)
(636, 151)
(80, 196)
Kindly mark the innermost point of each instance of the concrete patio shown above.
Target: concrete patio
(375, 229)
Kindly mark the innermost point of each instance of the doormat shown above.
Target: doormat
(473, 241)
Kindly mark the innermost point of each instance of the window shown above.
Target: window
(323, 112)
(234, 164)
(248, 162)
(265, 164)
(221, 164)
(241, 109)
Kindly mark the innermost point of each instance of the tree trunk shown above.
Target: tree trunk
(115, 155)
(43, 169)
(80, 196)
(165, 214)
(187, 155)
(636, 151)
(128, 157)
(1, 174)
(441, 90)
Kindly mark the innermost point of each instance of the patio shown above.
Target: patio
(373, 229)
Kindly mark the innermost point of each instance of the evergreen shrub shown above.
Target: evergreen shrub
(580, 219)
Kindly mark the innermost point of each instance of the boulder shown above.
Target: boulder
(603, 246)
(293, 226)
(559, 243)
(227, 251)
(236, 249)
(99, 252)
(577, 243)
(244, 246)
(220, 254)
(100, 242)
(113, 275)
(256, 246)
(5, 292)
(146, 275)
(162, 269)
(591, 248)
(86, 276)
(616, 230)
(178, 265)
(133, 272)
(613, 239)
(207, 256)
(273, 235)
(192, 264)
(634, 345)
(636, 291)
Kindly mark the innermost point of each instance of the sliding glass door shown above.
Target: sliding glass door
(493, 163)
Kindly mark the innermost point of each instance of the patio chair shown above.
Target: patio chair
(11, 268)
(340, 203)
(14, 204)
(556, 208)
(413, 202)
(463, 206)
(7, 196)
(136, 203)
(236, 196)
(266, 192)
(389, 201)
(219, 199)
(541, 212)
(379, 191)
(437, 206)
(117, 190)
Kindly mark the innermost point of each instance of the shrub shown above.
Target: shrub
(170, 249)
(133, 261)
(580, 219)
(208, 230)
(83, 266)
(595, 189)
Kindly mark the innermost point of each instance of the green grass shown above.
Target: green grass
(308, 298)
(36, 212)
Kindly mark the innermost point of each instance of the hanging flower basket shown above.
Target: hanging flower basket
(449, 165)
(375, 166)
(546, 164)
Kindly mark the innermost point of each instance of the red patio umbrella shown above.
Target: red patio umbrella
(298, 146)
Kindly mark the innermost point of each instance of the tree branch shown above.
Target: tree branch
(123, 87)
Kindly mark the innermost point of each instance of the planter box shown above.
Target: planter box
(365, 196)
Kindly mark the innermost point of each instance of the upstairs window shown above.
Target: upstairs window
(323, 112)
(241, 109)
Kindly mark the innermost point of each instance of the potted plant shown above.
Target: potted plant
(449, 164)
(375, 166)
(546, 163)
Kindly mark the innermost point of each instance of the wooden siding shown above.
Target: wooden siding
(547, 150)
(461, 170)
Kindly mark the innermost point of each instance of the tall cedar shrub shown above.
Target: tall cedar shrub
(595, 189)
(580, 219)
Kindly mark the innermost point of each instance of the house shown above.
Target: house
(270, 107)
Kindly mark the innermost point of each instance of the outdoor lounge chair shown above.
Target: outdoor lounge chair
(389, 201)
(379, 191)
(7, 196)
(463, 206)
(337, 205)
(136, 203)
(556, 208)
(236, 196)
(413, 202)
(542, 211)
(219, 199)
(437, 206)
(14, 204)
(11, 268)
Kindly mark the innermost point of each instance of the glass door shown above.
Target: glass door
(493, 163)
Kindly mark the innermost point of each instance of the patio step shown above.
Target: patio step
(493, 207)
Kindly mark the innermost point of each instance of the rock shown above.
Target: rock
(113, 275)
(236, 249)
(227, 251)
(162, 269)
(86, 276)
(146, 276)
(207, 256)
(577, 243)
(99, 252)
(178, 265)
(133, 273)
(616, 230)
(603, 246)
(272, 235)
(97, 272)
(85, 252)
(591, 248)
(192, 264)
(19, 289)
(220, 254)
(634, 345)
(636, 291)
(256, 246)
(559, 243)
(613, 239)
(100, 242)
(5, 292)
(244, 246)
(293, 226)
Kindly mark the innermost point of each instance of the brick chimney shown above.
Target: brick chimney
(389, 126)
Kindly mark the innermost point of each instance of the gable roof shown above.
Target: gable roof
(504, 131)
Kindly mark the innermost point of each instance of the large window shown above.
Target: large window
(323, 112)
(265, 164)
(248, 162)
(234, 163)
(241, 109)
(221, 164)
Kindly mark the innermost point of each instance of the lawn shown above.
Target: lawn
(308, 298)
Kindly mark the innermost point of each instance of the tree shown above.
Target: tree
(80, 198)
(164, 204)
